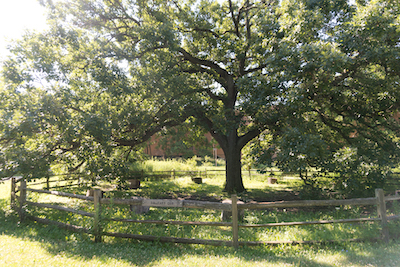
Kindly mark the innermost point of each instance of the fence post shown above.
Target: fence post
(235, 222)
(381, 206)
(97, 210)
(22, 199)
(47, 182)
(13, 189)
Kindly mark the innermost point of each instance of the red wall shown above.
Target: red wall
(152, 148)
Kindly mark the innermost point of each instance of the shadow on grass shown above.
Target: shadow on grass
(81, 246)
(56, 241)
(172, 190)
(203, 192)
(136, 253)
(269, 194)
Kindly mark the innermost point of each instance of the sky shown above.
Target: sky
(16, 16)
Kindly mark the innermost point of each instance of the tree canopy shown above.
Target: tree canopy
(109, 74)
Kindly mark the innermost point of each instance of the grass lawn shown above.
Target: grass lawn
(33, 244)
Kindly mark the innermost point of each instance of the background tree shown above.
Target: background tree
(184, 141)
(348, 102)
(111, 73)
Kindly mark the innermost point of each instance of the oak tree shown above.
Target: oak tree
(112, 73)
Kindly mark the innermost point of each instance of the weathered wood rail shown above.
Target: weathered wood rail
(57, 182)
(379, 200)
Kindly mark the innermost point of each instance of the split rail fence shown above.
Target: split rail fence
(208, 173)
(392, 181)
(19, 193)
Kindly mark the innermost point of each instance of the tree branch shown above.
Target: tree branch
(119, 6)
(214, 96)
(203, 30)
(325, 120)
(201, 62)
(262, 66)
(147, 134)
(219, 137)
(235, 20)
(209, 71)
(74, 169)
(160, 120)
(244, 139)
(228, 82)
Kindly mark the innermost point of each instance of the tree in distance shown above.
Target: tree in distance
(109, 74)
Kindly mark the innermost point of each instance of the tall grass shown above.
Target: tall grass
(155, 165)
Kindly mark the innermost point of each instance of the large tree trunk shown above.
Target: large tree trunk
(233, 167)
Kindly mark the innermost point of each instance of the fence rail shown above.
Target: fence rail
(78, 179)
(379, 200)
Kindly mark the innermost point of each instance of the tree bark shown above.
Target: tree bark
(233, 164)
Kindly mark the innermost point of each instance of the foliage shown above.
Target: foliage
(108, 75)
(358, 176)
(341, 111)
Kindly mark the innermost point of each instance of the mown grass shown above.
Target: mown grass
(33, 244)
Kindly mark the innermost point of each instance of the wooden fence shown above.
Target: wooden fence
(175, 174)
(209, 173)
(67, 180)
(270, 175)
(379, 200)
